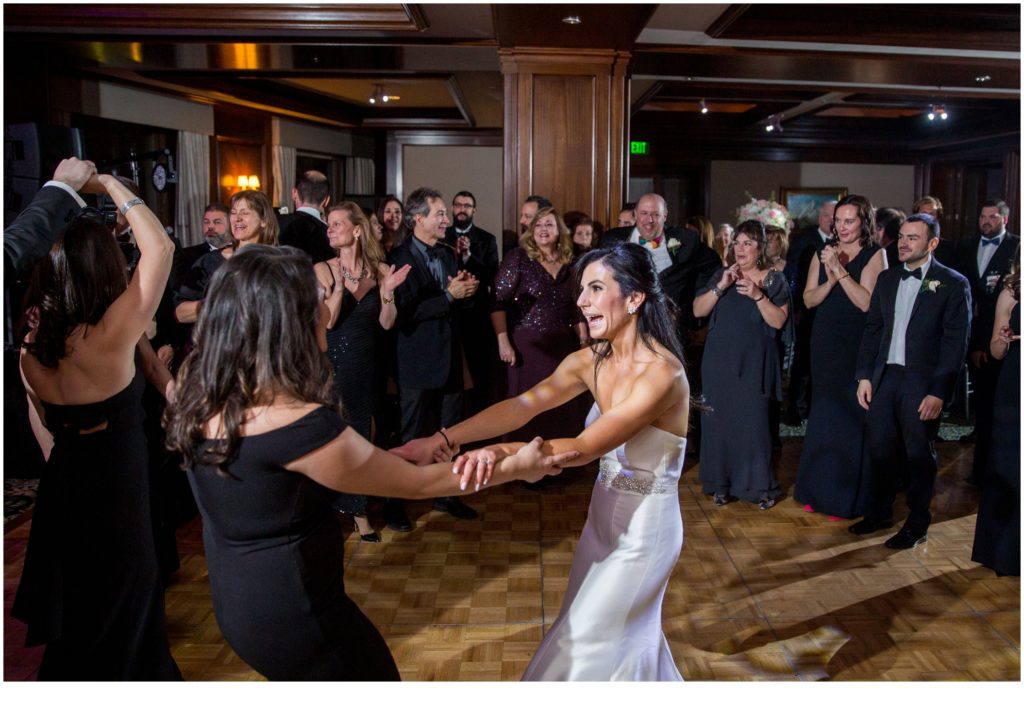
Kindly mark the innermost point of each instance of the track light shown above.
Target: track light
(938, 112)
(377, 95)
(774, 124)
(703, 106)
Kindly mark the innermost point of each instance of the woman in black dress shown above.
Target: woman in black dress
(834, 472)
(536, 318)
(997, 532)
(91, 589)
(359, 288)
(267, 454)
(749, 308)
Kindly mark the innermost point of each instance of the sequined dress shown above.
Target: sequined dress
(609, 628)
(541, 315)
(351, 348)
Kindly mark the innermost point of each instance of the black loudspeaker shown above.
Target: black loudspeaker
(31, 153)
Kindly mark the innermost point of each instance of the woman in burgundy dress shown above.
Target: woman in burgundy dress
(535, 316)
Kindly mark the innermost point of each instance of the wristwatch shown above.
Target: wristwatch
(717, 291)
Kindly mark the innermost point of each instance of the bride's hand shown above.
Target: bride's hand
(530, 463)
(476, 463)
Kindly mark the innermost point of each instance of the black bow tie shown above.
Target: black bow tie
(904, 273)
(433, 253)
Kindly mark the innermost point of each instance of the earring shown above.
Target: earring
(631, 309)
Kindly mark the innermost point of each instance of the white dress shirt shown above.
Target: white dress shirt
(985, 252)
(905, 298)
(311, 211)
(66, 188)
(662, 259)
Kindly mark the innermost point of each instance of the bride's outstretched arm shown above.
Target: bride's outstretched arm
(655, 395)
(565, 383)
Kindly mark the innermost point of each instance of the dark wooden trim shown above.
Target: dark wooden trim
(725, 20)
(646, 97)
(213, 19)
(460, 100)
(416, 16)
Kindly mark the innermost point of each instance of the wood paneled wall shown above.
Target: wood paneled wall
(566, 129)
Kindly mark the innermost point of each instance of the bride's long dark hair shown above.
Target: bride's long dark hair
(633, 269)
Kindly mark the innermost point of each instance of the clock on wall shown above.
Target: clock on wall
(159, 177)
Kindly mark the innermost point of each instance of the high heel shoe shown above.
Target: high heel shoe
(371, 537)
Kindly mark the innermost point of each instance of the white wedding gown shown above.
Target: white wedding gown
(609, 627)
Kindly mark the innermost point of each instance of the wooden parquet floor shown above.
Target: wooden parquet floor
(776, 595)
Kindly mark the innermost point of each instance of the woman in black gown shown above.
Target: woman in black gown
(359, 288)
(834, 472)
(91, 589)
(749, 308)
(267, 454)
(536, 319)
(997, 532)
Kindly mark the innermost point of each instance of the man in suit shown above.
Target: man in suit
(305, 228)
(801, 250)
(429, 353)
(985, 261)
(911, 352)
(215, 237)
(945, 253)
(477, 250)
(30, 236)
(683, 262)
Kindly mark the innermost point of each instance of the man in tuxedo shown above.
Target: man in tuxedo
(305, 228)
(985, 261)
(801, 249)
(911, 352)
(476, 250)
(683, 262)
(429, 353)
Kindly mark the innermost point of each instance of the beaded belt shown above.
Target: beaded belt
(612, 475)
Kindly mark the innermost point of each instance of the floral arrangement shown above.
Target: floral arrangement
(768, 212)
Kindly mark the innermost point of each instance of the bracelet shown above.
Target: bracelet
(129, 204)
(385, 300)
(840, 279)
(445, 436)
(758, 299)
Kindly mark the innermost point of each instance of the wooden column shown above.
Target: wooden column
(566, 129)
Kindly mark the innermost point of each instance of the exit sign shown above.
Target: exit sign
(638, 148)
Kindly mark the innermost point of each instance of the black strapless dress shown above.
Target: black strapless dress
(91, 588)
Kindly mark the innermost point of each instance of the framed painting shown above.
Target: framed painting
(803, 203)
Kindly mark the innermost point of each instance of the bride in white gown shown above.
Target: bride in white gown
(609, 627)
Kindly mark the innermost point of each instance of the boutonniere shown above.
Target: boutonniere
(930, 285)
(673, 245)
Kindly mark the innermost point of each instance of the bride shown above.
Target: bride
(609, 627)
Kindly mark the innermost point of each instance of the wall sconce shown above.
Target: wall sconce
(242, 182)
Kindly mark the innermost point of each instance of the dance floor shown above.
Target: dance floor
(776, 595)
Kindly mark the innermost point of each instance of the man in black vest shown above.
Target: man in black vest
(985, 261)
(429, 353)
(477, 250)
(305, 228)
(911, 352)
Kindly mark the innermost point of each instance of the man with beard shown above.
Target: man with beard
(985, 261)
(911, 352)
(477, 250)
(215, 235)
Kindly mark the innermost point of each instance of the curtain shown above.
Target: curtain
(284, 175)
(359, 176)
(193, 186)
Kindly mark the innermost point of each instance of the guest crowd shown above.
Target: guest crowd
(863, 328)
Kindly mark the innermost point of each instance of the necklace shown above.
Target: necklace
(354, 279)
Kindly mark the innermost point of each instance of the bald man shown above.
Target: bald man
(683, 262)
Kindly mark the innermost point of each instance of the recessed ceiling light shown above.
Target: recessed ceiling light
(572, 19)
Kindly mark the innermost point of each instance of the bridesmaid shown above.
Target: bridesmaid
(997, 533)
(834, 472)
(359, 288)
